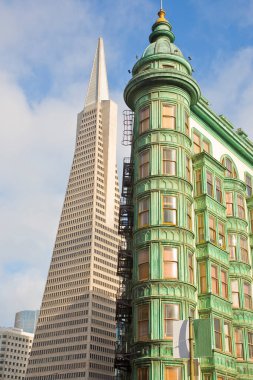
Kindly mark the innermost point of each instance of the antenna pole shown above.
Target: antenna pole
(191, 360)
(161, 4)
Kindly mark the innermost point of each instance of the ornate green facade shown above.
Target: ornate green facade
(187, 222)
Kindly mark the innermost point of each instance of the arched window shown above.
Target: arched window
(231, 171)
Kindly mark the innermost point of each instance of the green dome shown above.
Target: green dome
(162, 45)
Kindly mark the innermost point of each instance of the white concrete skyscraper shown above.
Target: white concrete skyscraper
(75, 334)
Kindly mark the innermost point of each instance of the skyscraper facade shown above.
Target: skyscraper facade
(187, 218)
(75, 334)
(15, 349)
(26, 320)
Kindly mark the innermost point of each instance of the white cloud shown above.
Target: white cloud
(230, 90)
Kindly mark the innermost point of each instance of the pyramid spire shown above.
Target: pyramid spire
(98, 85)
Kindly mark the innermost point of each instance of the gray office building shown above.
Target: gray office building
(26, 320)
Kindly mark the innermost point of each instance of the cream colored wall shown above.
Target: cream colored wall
(220, 149)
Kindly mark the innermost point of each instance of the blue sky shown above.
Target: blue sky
(46, 51)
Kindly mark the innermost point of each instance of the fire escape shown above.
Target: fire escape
(125, 262)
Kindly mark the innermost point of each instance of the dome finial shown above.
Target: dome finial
(161, 14)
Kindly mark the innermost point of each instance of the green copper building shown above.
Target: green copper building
(186, 220)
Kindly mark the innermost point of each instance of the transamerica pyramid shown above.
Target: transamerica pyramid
(75, 334)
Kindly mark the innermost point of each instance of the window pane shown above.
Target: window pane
(196, 143)
(235, 293)
(212, 229)
(248, 185)
(202, 274)
(239, 343)
(173, 373)
(144, 119)
(169, 161)
(143, 322)
(142, 373)
(168, 116)
(240, 207)
(217, 333)
(201, 231)
(221, 240)
(143, 264)
(206, 146)
(218, 190)
(198, 177)
(209, 183)
(247, 295)
(224, 284)
(244, 249)
(144, 164)
(143, 212)
(232, 242)
(227, 335)
(171, 313)
(229, 204)
(170, 262)
(169, 209)
(215, 280)
(250, 343)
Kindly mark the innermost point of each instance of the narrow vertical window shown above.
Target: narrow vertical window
(215, 279)
(170, 262)
(227, 336)
(186, 124)
(189, 215)
(232, 242)
(201, 229)
(168, 116)
(229, 204)
(240, 206)
(198, 177)
(188, 168)
(169, 161)
(143, 264)
(202, 277)
(244, 249)
(144, 119)
(247, 295)
(142, 374)
(248, 185)
(221, 230)
(208, 377)
(196, 143)
(206, 146)
(250, 344)
(224, 284)
(169, 209)
(143, 322)
(239, 344)
(229, 167)
(217, 333)
(144, 164)
(212, 229)
(218, 190)
(143, 212)
(191, 268)
(173, 373)
(209, 183)
(171, 313)
(235, 293)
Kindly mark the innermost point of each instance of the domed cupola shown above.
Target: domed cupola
(163, 61)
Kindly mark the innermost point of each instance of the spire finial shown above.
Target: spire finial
(161, 13)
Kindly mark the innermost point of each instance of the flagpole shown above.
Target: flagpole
(191, 349)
